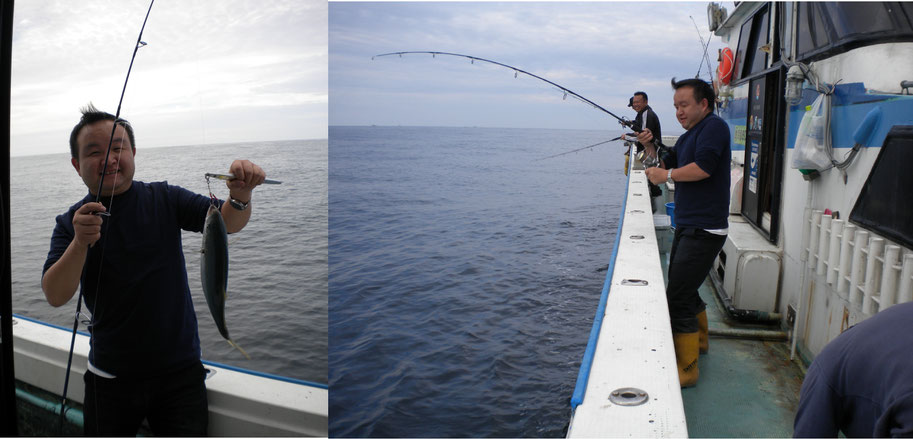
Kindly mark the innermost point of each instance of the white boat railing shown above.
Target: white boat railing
(631, 387)
(241, 403)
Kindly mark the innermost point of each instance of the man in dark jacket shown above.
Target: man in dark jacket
(646, 118)
(861, 384)
(699, 168)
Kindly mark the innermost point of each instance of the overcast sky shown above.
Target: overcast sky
(214, 71)
(604, 51)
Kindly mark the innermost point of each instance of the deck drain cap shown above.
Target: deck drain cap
(628, 396)
(635, 282)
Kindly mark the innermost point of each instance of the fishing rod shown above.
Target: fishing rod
(623, 121)
(66, 382)
(706, 57)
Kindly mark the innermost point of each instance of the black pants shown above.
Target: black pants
(175, 404)
(693, 253)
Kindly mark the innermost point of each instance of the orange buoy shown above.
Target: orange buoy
(724, 70)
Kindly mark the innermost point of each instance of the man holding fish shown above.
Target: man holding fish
(144, 361)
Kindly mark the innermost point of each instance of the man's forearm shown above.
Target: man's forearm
(689, 172)
(235, 219)
(62, 279)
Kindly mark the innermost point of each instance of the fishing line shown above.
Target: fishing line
(117, 122)
(623, 121)
(578, 149)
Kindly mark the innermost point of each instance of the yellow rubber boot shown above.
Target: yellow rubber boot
(686, 354)
(702, 330)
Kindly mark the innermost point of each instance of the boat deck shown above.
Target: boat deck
(747, 387)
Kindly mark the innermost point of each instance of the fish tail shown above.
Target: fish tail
(235, 345)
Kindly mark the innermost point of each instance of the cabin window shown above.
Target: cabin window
(858, 18)
(823, 28)
(883, 205)
(743, 47)
(811, 31)
(754, 35)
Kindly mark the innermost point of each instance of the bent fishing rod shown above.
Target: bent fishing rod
(473, 59)
(66, 382)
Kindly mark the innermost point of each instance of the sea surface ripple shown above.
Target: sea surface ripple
(464, 276)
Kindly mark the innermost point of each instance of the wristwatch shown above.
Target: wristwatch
(669, 177)
(240, 205)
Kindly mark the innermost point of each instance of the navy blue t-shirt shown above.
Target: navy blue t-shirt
(704, 204)
(862, 382)
(144, 321)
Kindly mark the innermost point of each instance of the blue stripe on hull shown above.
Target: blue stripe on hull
(851, 103)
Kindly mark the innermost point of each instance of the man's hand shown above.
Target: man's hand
(645, 137)
(656, 176)
(87, 225)
(247, 177)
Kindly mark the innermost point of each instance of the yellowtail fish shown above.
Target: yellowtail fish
(214, 270)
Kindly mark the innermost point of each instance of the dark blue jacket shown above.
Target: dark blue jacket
(704, 204)
(862, 382)
(144, 321)
(652, 124)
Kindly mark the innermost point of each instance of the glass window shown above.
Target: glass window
(881, 207)
(810, 29)
(836, 24)
(907, 11)
(852, 18)
(749, 58)
(744, 37)
(760, 31)
(780, 13)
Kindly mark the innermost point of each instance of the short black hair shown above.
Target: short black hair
(90, 115)
(640, 93)
(702, 90)
(631, 102)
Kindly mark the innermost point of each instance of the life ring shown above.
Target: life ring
(724, 70)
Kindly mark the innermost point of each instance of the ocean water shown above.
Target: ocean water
(277, 283)
(464, 276)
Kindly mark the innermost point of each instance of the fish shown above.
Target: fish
(214, 270)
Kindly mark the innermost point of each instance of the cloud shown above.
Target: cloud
(602, 50)
(233, 57)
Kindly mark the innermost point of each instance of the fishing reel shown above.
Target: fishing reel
(663, 154)
(649, 160)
